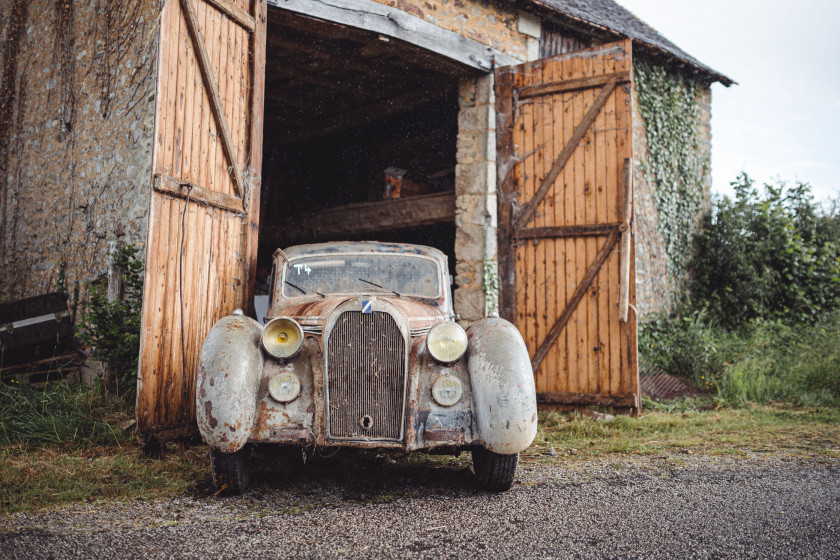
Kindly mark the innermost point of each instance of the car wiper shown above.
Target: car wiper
(380, 287)
(295, 286)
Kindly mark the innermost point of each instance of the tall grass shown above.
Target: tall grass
(759, 362)
(59, 413)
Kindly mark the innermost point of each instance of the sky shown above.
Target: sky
(782, 119)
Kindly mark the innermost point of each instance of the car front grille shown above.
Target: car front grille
(366, 377)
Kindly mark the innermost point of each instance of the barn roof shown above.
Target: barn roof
(608, 15)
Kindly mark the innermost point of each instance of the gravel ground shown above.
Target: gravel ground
(674, 506)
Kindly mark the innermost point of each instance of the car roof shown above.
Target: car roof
(338, 247)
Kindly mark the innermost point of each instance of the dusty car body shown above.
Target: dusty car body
(361, 349)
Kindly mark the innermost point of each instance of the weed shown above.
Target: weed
(112, 328)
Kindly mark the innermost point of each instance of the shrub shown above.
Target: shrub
(112, 329)
(767, 255)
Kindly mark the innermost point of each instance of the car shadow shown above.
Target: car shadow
(360, 475)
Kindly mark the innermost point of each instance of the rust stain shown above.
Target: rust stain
(208, 410)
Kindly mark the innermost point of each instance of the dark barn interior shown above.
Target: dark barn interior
(360, 138)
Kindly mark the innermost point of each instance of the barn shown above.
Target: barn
(533, 141)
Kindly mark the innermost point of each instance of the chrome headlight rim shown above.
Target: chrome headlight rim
(436, 331)
(268, 330)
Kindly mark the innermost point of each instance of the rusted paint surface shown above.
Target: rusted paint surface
(490, 373)
(503, 386)
(228, 383)
(76, 117)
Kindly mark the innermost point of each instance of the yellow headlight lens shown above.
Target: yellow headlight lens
(446, 342)
(282, 338)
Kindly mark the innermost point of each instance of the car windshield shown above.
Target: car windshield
(365, 273)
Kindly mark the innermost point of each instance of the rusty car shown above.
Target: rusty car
(361, 349)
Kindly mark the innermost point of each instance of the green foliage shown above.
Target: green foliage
(58, 413)
(675, 166)
(112, 329)
(490, 285)
(761, 361)
(770, 254)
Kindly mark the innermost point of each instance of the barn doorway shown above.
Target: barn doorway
(359, 139)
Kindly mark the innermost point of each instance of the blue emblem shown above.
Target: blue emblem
(367, 307)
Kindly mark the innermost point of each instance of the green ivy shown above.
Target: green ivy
(490, 285)
(675, 166)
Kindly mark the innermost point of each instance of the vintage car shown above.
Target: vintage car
(361, 349)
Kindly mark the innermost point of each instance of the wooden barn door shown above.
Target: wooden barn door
(203, 223)
(565, 241)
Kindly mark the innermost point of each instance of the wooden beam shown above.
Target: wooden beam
(568, 231)
(234, 12)
(361, 218)
(368, 113)
(586, 399)
(396, 24)
(199, 195)
(572, 85)
(212, 88)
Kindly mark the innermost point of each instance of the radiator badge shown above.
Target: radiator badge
(367, 307)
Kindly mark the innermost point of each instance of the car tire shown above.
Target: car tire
(494, 471)
(230, 471)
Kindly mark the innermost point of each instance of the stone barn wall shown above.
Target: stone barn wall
(76, 121)
(657, 288)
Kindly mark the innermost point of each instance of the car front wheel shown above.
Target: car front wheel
(494, 471)
(230, 471)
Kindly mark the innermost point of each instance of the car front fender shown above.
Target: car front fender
(503, 386)
(228, 382)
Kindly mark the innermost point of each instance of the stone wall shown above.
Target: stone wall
(492, 22)
(76, 126)
(655, 290)
(475, 183)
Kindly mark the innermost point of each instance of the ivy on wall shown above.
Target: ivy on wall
(675, 167)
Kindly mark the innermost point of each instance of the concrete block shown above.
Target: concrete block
(475, 178)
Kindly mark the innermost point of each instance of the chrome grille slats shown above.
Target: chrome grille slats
(366, 361)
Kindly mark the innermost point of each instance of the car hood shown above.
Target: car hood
(312, 315)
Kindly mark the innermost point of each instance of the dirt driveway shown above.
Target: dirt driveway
(671, 506)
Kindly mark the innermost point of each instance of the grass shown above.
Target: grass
(760, 362)
(49, 476)
(46, 477)
(775, 428)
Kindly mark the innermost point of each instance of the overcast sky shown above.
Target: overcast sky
(783, 118)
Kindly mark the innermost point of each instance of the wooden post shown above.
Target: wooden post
(627, 217)
(115, 285)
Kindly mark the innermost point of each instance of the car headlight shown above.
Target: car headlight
(447, 390)
(282, 338)
(446, 342)
(284, 387)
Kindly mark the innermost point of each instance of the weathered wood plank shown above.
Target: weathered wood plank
(212, 88)
(397, 24)
(584, 284)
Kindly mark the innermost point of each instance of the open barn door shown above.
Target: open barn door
(565, 222)
(203, 223)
